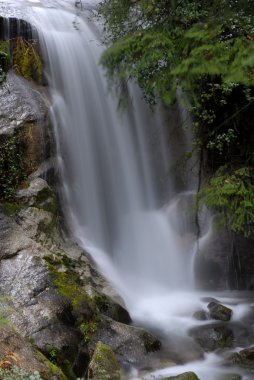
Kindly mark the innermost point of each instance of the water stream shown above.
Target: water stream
(125, 199)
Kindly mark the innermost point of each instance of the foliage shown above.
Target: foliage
(206, 49)
(166, 43)
(10, 369)
(88, 328)
(26, 60)
(16, 373)
(11, 170)
(231, 194)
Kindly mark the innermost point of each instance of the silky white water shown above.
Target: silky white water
(123, 195)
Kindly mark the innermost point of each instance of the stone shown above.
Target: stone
(130, 344)
(200, 315)
(244, 357)
(183, 376)
(213, 336)
(219, 311)
(104, 364)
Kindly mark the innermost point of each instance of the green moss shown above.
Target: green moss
(69, 286)
(4, 57)
(11, 208)
(88, 329)
(51, 260)
(102, 302)
(104, 365)
(27, 61)
(53, 369)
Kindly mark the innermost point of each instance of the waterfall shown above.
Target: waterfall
(127, 198)
(112, 173)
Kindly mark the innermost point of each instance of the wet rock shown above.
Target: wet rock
(244, 357)
(213, 336)
(219, 312)
(130, 344)
(32, 219)
(183, 376)
(200, 315)
(112, 309)
(104, 365)
(30, 194)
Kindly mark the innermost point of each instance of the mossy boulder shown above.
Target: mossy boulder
(130, 344)
(219, 311)
(104, 365)
(183, 376)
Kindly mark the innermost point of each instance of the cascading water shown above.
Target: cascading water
(114, 181)
(109, 179)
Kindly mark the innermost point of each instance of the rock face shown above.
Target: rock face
(22, 106)
(17, 351)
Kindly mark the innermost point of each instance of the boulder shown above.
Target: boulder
(103, 365)
(212, 336)
(244, 357)
(130, 344)
(219, 312)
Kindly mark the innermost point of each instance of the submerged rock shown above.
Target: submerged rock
(243, 357)
(213, 336)
(103, 365)
(200, 315)
(183, 376)
(219, 311)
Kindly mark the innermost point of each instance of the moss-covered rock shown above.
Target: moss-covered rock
(219, 312)
(104, 365)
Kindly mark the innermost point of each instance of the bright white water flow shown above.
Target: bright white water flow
(138, 226)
